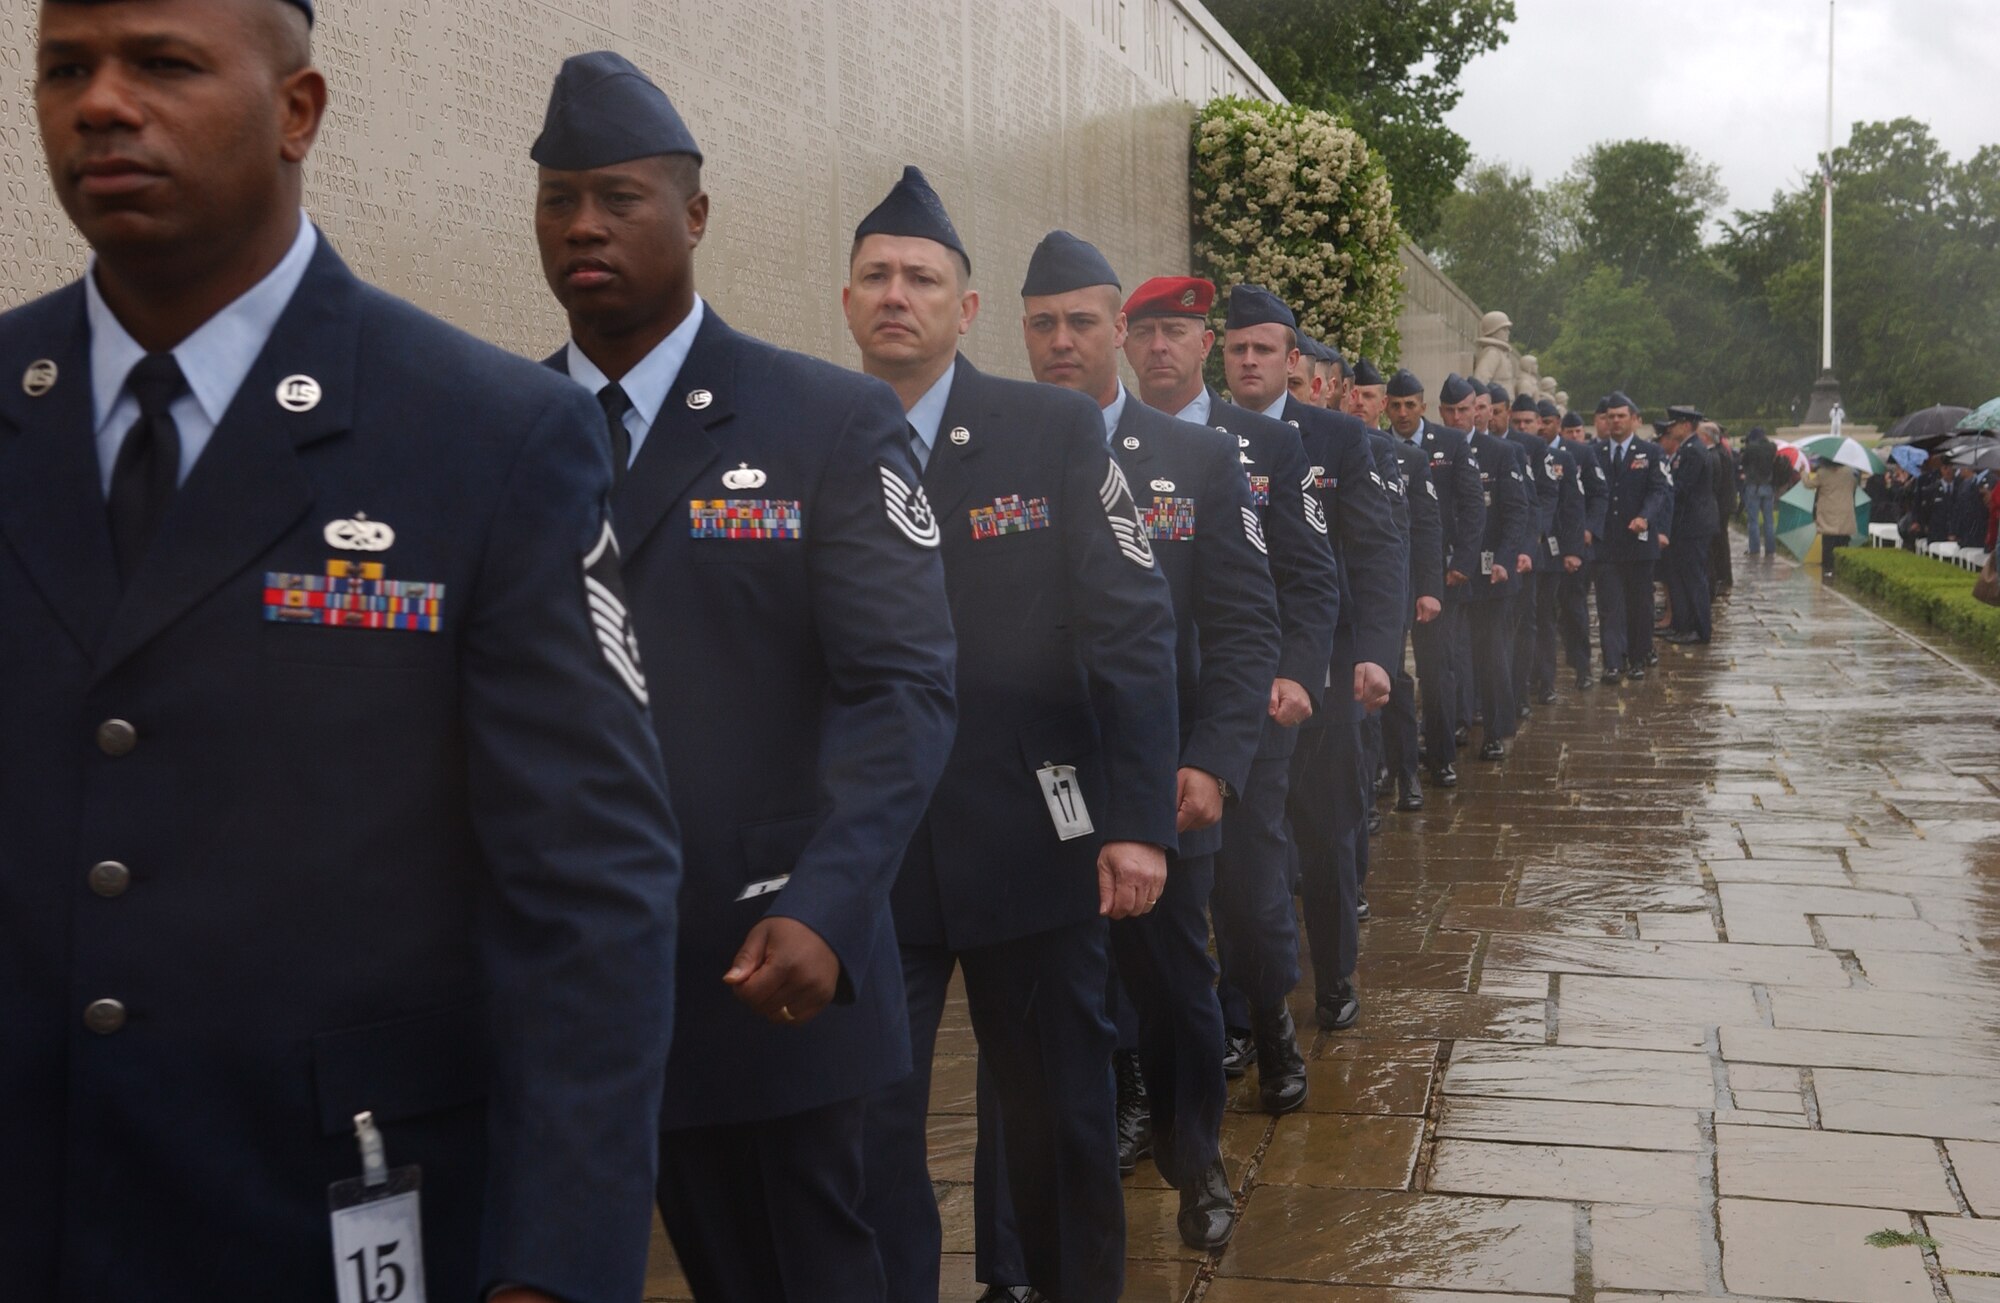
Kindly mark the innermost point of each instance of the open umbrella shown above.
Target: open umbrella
(1932, 420)
(1910, 459)
(1987, 417)
(1795, 519)
(1842, 450)
(1979, 451)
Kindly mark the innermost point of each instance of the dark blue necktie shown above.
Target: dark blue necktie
(148, 469)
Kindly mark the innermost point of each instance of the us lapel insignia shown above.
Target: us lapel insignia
(353, 595)
(1131, 443)
(745, 476)
(1163, 486)
(699, 399)
(39, 378)
(359, 534)
(300, 393)
(960, 436)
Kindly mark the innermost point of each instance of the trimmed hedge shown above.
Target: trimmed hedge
(1934, 592)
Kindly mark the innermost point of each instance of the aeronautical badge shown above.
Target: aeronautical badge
(39, 378)
(1169, 519)
(359, 534)
(909, 510)
(745, 476)
(604, 603)
(353, 595)
(1640, 462)
(1123, 517)
(1253, 529)
(1012, 514)
(1163, 486)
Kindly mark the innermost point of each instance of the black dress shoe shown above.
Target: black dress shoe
(1546, 697)
(1238, 1048)
(1445, 776)
(1635, 673)
(1337, 1009)
(1523, 710)
(1208, 1210)
(1652, 658)
(1382, 781)
(1610, 679)
(1411, 800)
(1462, 734)
(1494, 750)
(1135, 1114)
(1584, 682)
(1011, 1294)
(1361, 909)
(1374, 819)
(1281, 1069)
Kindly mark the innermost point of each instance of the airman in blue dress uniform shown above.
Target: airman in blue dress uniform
(1639, 503)
(328, 786)
(1687, 542)
(783, 572)
(1057, 807)
(1544, 491)
(1256, 923)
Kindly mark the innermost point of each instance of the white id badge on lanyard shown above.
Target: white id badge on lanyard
(378, 1234)
(1486, 562)
(1553, 544)
(1065, 798)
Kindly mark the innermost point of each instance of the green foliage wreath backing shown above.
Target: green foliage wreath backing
(1293, 200)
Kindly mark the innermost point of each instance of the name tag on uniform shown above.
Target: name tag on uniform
(1553, 545)
(378, 1234)
(764, 888)
(1065, 799)
(1486, 561)
(1489, 498)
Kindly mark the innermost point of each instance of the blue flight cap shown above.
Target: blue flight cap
(1547, 410)
(1366, 374)
(604, 111)
(912, 208)
(1062, 262)
(1253, 305)
(303, 6)
(1455, 390)
(1404, 384)
(1525, 403)
(1617, 398)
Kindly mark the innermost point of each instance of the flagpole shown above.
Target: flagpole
(1826, 179)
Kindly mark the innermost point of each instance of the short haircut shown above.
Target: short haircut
(958, 260)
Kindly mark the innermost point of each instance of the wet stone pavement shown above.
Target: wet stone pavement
(1689, 996)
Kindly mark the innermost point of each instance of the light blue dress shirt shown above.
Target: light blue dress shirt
(1112, 414)
(648, 383)
(1276, 411)
(215, 358)
(1196, 411)
(928, 413)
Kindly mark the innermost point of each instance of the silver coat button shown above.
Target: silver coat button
(104, 1016)
(116, 737)
(110, 878)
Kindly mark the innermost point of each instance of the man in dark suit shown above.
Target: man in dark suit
(1573, 600)
(1462, 518)
(1327, 805)
(1426, 582)
(1256, 924)
(1687, 544)
(1639, 501)
(327, 789)
(1210, 543)
(1504, 561)
(1544, 491)
(782, 566)
(1058, 805)
(1562, 613)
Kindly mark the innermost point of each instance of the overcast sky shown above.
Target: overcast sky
(1741, 82)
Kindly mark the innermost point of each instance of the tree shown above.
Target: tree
(1389, 67)
(1644, 205)
(1508, 244)
(1613, 336)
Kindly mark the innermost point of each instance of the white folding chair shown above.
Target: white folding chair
(1945, 551)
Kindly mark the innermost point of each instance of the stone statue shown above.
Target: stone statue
(1528, 375)
(1562, 401)
(1548, 390)
(1494, 359)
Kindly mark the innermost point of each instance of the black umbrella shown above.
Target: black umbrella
(1979, 451)
(1930, 421)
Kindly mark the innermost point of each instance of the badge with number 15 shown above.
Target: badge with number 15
(378, 1234)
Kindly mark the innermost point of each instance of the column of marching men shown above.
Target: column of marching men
(586, 780)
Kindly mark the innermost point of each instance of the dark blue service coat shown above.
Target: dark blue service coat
(1637, 487)
(424, 871)
(1209, 539)
(1461, 503)
(1510, 517)
(1065, 657)
(804, 703)
(1426, 521)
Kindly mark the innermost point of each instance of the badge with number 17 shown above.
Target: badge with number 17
(378, 1234)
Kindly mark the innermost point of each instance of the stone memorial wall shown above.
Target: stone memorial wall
(1026, 114)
